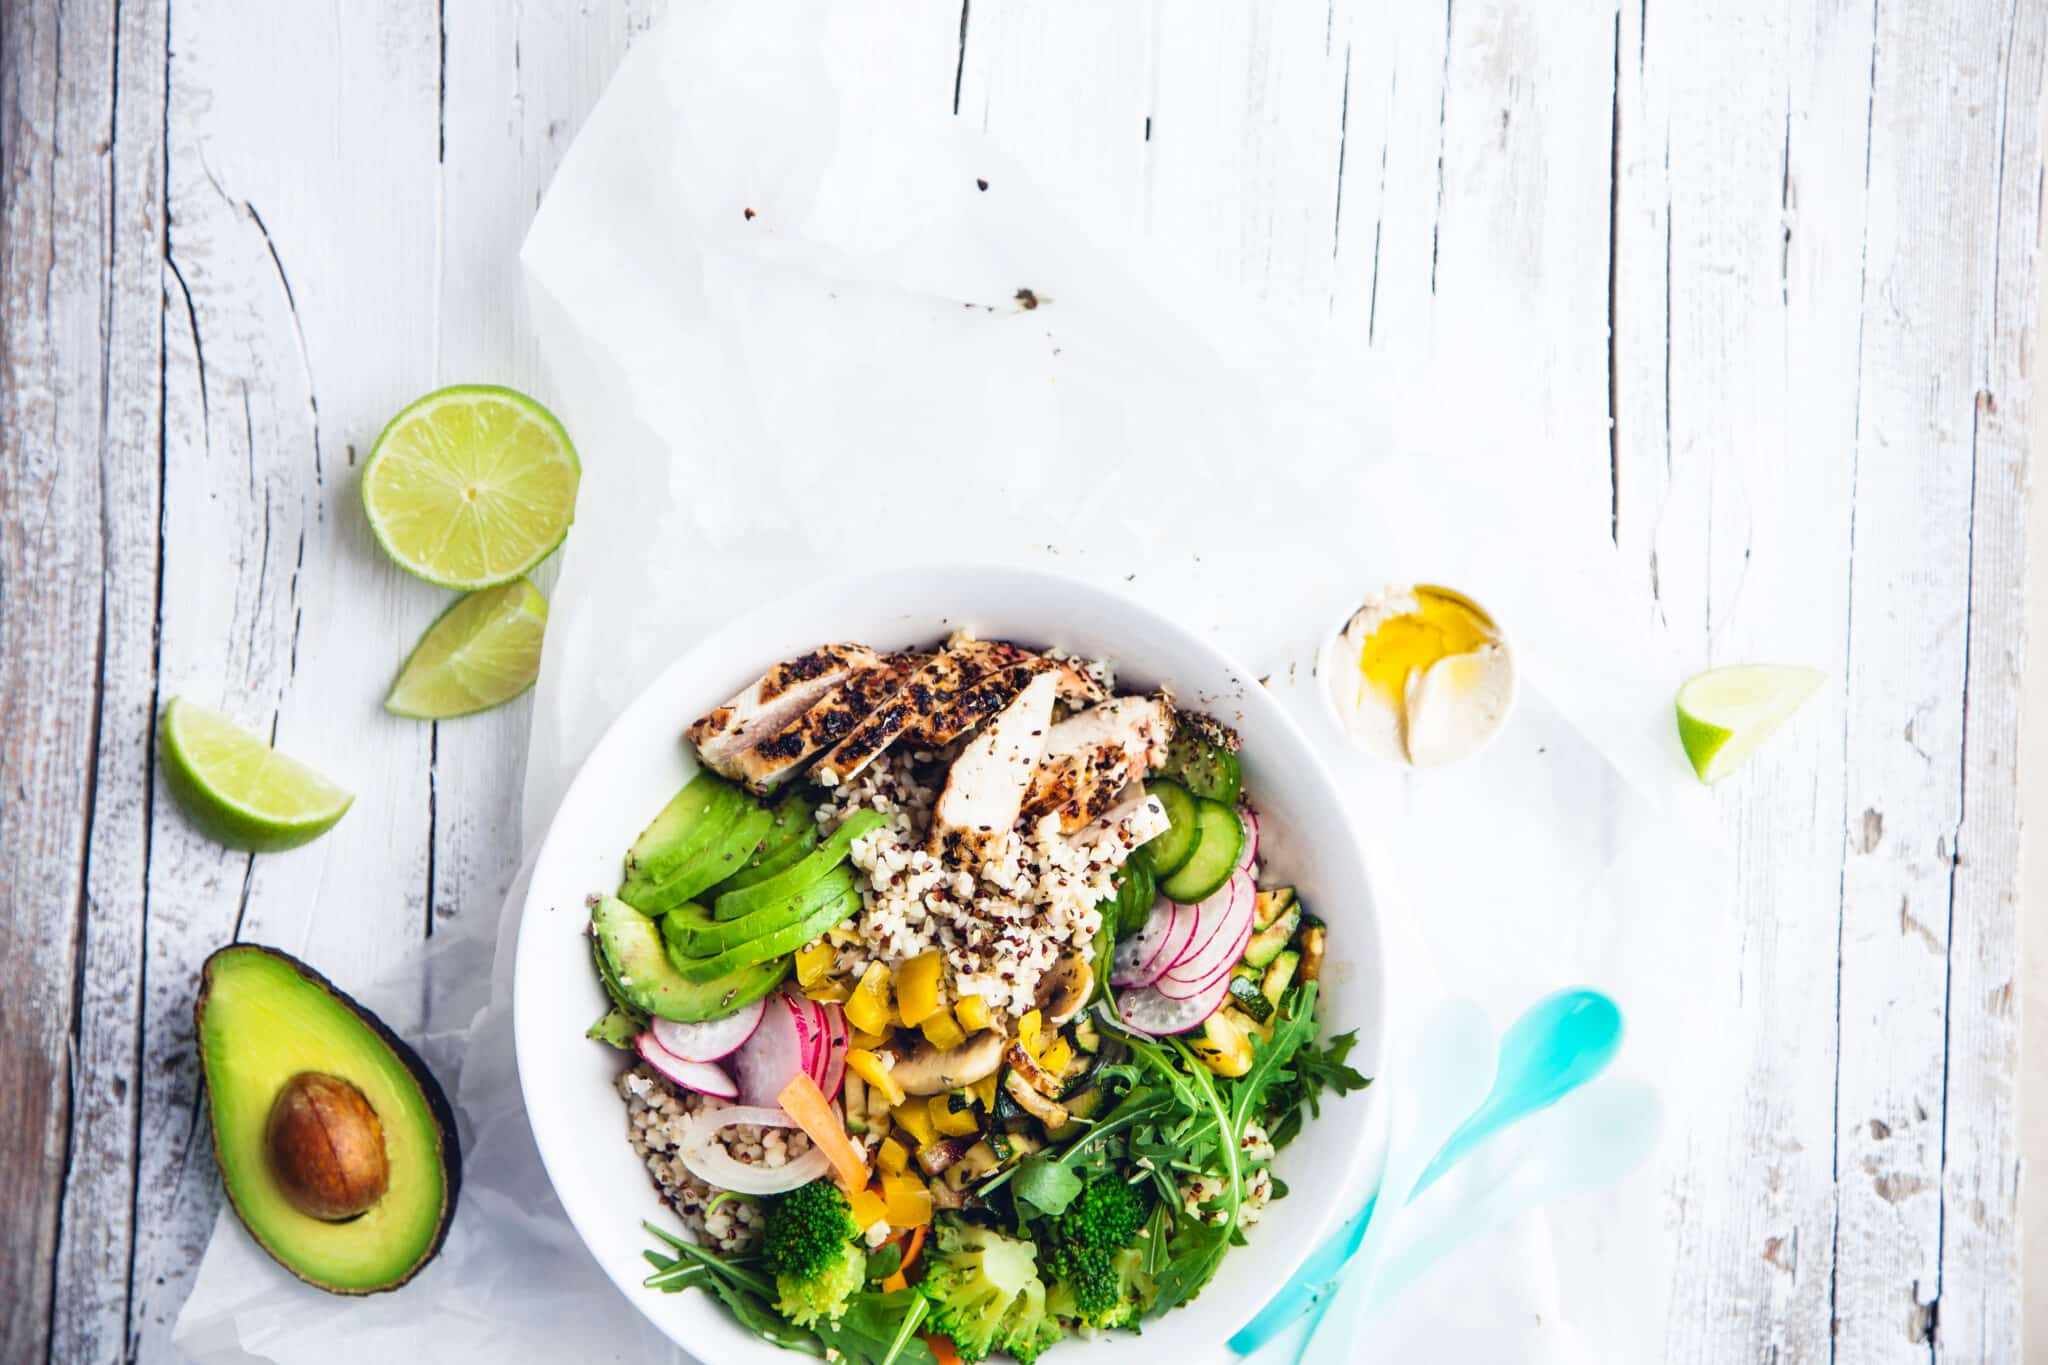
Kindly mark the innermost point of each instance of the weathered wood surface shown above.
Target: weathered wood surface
(238, 235)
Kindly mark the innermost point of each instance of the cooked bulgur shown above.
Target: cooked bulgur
(655, 1114)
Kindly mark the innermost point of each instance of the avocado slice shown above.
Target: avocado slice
(778, 944)
(692, 931)
(793, 834)
(316, 1105)
(787, 883)
(693, 934)
(702, 812)
(647, 981)
(725, 854)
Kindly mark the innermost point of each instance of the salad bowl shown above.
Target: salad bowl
(1306, 837)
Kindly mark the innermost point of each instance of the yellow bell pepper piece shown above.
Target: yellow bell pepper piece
(917, 987)
(1223, 1046)
(893, 1157)
(870, 1041)
(869, 1068)
(916, 1120)
(813, 961)
(1056, 1056)
(942, 1032)
(835, 992)
(908, 1202)
(950, 1121)
(1028, 1032)
(985, 1091)
(972, 1012)
(867, 1009)
(868, 1208)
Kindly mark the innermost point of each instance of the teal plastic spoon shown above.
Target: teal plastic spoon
(1560, 1042)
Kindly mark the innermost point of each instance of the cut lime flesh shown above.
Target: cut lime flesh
(471, 486)
(1725, 713)
(240, 791)
(482, 652)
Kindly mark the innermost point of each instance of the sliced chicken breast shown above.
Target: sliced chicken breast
(765, 763)
(985, 788)
(1076, 687)
(1090, 758)
(973, 705)
(934, 685)
(778, 697)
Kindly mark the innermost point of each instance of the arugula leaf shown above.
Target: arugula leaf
(867, 1331)
(885, 1260)
(1045, 1183)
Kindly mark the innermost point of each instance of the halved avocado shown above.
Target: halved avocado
(336, 1145)
(644, 978)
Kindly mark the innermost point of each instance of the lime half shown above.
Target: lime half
(239, 790)
(471, 486)
(483, 652)
(1725, 713)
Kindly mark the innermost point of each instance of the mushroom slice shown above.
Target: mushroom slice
(926, 1070)
(1049, 1112)
(1037, 1077)
(1064, 990)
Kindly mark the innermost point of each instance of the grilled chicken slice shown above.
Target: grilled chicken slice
(1091, 757)
(765, 763)
(778, 697)
(932, 687)
(973, 705)
(1076, 687)
(985, 788)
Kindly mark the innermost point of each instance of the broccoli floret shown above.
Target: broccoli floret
(985, 1293)
(810, 1244)
(1099, 1280)
(1027, 1328)
(1101, 1289)
(1106, 1215)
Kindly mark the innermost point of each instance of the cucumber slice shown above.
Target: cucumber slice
(1201, 761)
(1165, 853)
(1219, 841)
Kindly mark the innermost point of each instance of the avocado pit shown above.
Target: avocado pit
(325, 1148)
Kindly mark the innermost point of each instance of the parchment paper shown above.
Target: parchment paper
(781, 315)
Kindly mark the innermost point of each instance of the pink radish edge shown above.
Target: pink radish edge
(706, 1078)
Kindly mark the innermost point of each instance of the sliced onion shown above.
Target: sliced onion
(708, 1160)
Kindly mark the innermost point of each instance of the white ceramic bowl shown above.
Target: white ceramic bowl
(1306, 839)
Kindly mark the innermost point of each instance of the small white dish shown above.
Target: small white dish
(1461, 701)
(1307, 839)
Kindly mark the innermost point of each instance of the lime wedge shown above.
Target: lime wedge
(471, 486)
(239, 790)
(483, 652)
(1725, 713)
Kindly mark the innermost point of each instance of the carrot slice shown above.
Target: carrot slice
(900, 1280)
(803, 1101)
(942, 1347)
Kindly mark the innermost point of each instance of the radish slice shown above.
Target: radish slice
(1135, 955)
(1227, 921)
(706, 1078)
(1147, 1011)
(1182, 923)
(1213, 917)
(708, 1160)
(772, 1056)
(1178, 988)
(713, 1038)
(821, 1044)
(1249, 818)
(836, 1041)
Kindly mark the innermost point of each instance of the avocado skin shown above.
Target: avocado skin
(448, 1146)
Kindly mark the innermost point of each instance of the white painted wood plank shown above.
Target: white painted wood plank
(1735, 387)
(1985, 1287)
(519, 82)
(302, 240)
(60, 286)
(97, 1233)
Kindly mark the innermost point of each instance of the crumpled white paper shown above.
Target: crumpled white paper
(848, 377)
